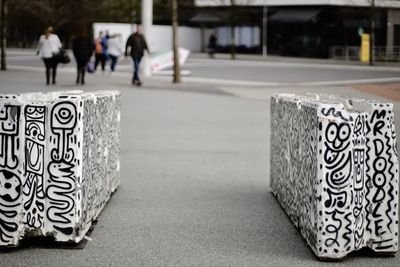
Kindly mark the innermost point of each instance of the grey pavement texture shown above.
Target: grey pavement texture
(194, 183)
(268, 72)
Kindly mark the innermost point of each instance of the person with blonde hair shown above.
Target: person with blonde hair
(48, 47)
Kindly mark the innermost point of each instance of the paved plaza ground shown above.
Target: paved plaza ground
(195, 164)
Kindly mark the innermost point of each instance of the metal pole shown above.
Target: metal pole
(265, 31)
(175, 45)
(147, 23)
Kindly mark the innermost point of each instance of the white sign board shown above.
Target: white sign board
(165, 59)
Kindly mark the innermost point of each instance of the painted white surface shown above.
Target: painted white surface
(124, 29)
(160, 37)
(164, 60)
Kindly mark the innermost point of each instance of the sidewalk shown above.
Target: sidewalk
(273, 58)
(247, 57)
(194, 180)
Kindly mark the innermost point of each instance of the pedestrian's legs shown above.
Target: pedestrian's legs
(113, 62)
(103, 62)
(47, 64)
(78, 74)
(97, 59)
(83, 70)
(136, 70)
(54, 67)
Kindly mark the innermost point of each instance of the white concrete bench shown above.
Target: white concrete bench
(334, 169)
(59, 162)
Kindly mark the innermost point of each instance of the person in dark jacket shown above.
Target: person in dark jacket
(212, 45)
(137, 45)
(82, 47)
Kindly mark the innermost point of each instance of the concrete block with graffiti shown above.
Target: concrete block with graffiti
(59, 162)
(335, 171)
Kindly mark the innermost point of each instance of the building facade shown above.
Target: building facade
(313, 28)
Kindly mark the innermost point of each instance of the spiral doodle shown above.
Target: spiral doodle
(63, 122)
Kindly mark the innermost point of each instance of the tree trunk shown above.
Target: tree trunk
(3, 35)
(233, 30)
(177, 71)
(233, 42)
(372, 38)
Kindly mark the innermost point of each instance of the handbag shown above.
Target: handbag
(62, 56)
(90, 67)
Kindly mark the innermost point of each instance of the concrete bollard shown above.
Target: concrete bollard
(59, 162)
(335, 171)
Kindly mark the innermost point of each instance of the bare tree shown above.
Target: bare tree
(57, 13)
(53, 12)
(3, 34)
(175, 46)
(233, 22)
(372, 23)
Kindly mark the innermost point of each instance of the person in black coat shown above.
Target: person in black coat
(82, 47)
(212, 45)
(137, 45)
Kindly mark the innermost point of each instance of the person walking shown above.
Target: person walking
(114, 49)
(212, 45)
(100, 47)
(137, 45)
(82, 47)
(48, 47)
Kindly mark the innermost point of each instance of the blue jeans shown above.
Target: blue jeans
(114, 60)
(136, 65)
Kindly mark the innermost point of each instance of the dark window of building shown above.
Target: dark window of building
(396, 33)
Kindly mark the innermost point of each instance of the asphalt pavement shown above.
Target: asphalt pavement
(194, 172)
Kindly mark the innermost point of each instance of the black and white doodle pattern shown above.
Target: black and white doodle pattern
(382, 178)
(62, 167)
(338, 181)
(59, 163)
(33, 188)
(10, 171)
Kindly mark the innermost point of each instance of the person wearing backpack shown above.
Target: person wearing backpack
(100, 48)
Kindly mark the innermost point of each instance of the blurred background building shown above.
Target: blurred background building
(307, 28)
(303, 28)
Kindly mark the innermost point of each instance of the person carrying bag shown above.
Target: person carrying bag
(49, 48)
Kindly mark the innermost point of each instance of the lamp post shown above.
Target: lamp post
(265, 31)
(147, 23)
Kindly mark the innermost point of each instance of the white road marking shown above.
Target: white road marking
(350, 82)
(222, 81)
(225, 62)
(226, 81)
